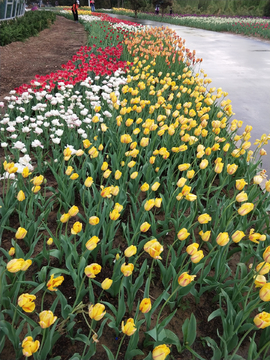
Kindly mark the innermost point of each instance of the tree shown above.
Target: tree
(137, 5)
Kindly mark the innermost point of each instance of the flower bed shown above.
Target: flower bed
(126, 198)
(249, 26)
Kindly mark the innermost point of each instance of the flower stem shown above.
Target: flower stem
(119, 347)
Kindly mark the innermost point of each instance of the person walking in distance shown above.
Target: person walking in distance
(92, 4)
(74, 10)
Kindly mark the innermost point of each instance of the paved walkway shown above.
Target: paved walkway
(240, 66)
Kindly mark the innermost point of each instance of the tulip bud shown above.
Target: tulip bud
(106, 284)
(21, 196)
(205, 236)
(145, 227)
(93, 220)
(183, 234)
(46, 319)
(160, 352)
(223, 239)
(145, 305)
(91, 244)
(21, 233)
(266, 255)
(237, 236)
(242, 196)
(265, 292)
(260, 280)
(262, 320)
(127, 269)
(128, 329)
(192, 248)
(185, 279)
(96, 312)
(197, 256)
(130, 251)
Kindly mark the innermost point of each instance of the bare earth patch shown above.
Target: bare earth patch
(42, 54)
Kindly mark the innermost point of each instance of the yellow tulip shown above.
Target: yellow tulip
(15, 265)
(245, 209)
(118, 207)
(153, 248)
(50, 241)
(117, 175)
(104, 166)
(79, 152)
(186, 190)
(185, 279)
(11, 251)
(76, 228)
(181, 182)
(130, 251)
(257, 179)
(238, 236)
(267, 186)
(205, 236)
(114, 214)
(155, 186)
(266, 255)
(262, 320)
(53, 283)
(197, 256)
(92, 243)
(26, 302)
(144, 142)
(260, 280)
(145, 227)
(21, 233)
(192, 248)
(129, 328)
(145, 305)
(86, 143)
(134, 175)
(204, 218)
(93, 220)
(149, 204)
(240, 183)
(38, 180)
(262, 268)
(69, 170)
(64, 218)
(73, 211)
(191, 197)
(265, 292)
(223, 238)
(160, 352)
(183, 167)
(96, 312)
(26, 172)
(115, 190)
(125, 139)
(106, 284)
(145, 187)
(89, 181)
(183, 234)
(127, 269)
(92, 270)
(158, 202)
(203, 164)
(231, 169)
(26, 265)
(35, 189)
(21, 196)
(107, 173)
(29, 346)
(74, 176)
(242, 196)
(47, 319)
(219, 167)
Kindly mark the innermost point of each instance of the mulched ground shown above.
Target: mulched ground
(42, 54)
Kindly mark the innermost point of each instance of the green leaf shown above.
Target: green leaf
(152, 333)
(217, 354)
(39, 287)
(109, 353)
(214, 314)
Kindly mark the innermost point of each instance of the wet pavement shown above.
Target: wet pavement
(239, 65)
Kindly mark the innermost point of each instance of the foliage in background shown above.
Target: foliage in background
(26, 26)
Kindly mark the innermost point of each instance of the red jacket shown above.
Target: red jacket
(74, 7)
